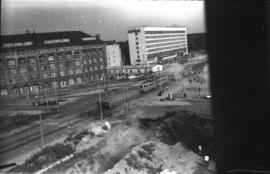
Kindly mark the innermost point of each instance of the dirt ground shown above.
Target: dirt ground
(122, 137)
(69, 111)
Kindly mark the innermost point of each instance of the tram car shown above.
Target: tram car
(155, 83)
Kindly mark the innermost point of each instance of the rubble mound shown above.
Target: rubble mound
(156, 157)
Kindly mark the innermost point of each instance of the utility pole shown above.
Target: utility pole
(108, 87)
(125, 99)
(56, 96)
(100, 101)
(46, 98)
(160, 81)
(41, 131)
(105, 88)
(27, 99)
(127, 94)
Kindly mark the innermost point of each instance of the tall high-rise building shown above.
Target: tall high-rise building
(32, 61)
(152, 45)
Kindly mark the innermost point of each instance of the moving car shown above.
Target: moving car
(132, 77)
(208, 96)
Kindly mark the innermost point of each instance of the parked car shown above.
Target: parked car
(43, 102)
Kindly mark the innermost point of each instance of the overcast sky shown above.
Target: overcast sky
(110, 18)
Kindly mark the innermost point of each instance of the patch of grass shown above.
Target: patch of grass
(87, 154)
(44, 157)
(145, 123)
(143, 154)
(148, 123)
(151, 169)
(148, 148)
(192, 131)
(76, 137)
(107, 161)
(133, 162)
(188, 128)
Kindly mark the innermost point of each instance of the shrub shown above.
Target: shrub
(186, 127)
(143, 154)
(76, 137)
(45, 157)
(151, 169)
(133, 162)
(148, 148)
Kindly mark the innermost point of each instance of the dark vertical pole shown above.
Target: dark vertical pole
(41, 131)
(100, 105)
(46, 98)
(127, 95)
(56, 96)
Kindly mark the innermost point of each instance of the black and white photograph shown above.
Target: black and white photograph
(134, 87)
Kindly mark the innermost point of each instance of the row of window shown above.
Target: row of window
(61, 73)
(12, 62)
(13, 71)
(45, 76)
(163, 36)
(164, 44)
(164, 32)
(71, 48)
(21, 79)
(165, 40)
(164, 48)
(50, 58)
(35, 88)
(28, 52)
(18, 44)
(127, 71)
(162, 54)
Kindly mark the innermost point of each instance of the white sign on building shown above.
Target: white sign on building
(113, 55)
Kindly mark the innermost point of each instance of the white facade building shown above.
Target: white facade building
(113, 55)
(152, 45)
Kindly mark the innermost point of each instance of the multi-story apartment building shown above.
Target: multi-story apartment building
(32, 61)
(152, 45)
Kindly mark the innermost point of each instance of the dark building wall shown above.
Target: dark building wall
(39, 66)
(197, 41)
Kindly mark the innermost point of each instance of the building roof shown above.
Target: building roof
(110, 42)
(48, 39)
(174, 27)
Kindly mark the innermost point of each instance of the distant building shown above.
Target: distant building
(153, 45)
(124, 52)
(33, 61)
(121, 72)
(113, 54)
